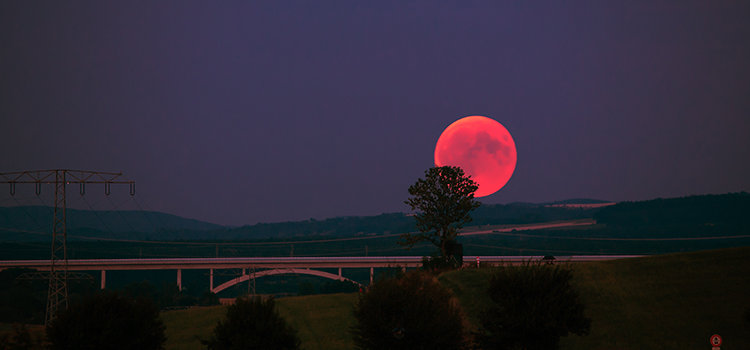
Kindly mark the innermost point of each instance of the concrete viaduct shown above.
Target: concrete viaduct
(256, 267)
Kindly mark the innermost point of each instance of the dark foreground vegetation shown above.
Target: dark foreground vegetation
(410, 311)
(252, 323)
(532, 307)
(107, 320)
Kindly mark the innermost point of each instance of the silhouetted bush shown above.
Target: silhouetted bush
(411, 311)
(534, 305)
(330, 287)
(208, 298)
(453, 260)
(108, 320)
(252, 323)
(21, 300)
(21, 339)
(306, 288)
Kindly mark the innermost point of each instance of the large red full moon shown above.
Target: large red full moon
(483, 148)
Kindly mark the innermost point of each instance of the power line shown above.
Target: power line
(57, 295)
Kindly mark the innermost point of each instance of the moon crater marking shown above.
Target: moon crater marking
(483, 148)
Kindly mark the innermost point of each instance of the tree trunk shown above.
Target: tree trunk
(443, 249)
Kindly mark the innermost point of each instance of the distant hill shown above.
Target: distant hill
(704, 214)
(695, 215)
(493, 214)
(16, 221)
(575, 201)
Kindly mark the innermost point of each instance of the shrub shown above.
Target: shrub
(21, 339)
(253, 323)
(411, 311)
(534, 305)
(208, 298)
(108, 320)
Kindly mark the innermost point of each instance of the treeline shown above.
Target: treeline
(704, 214)
(493, 214)
(526, 213)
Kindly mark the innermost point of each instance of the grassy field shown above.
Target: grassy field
(185, 328)
(322, 322)
(674, 301)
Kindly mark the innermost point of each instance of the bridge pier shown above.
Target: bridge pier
(104, 278)
(179, 279)
(372, 274)
(211, 280)
(339, 272)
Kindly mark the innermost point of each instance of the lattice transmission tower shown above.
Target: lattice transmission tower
(57, 294)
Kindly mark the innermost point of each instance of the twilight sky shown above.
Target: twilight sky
(240, 112)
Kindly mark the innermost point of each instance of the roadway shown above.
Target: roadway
(280, 262)
(528, 227)
(261, 266)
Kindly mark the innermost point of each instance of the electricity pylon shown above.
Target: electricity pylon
(57, 294)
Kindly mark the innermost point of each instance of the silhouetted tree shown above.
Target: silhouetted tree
(21, 339)
(442, 202)
(108, 320)
(208, 298)
(534, 305)
(412, 311)
(253, 323)
(21, 300)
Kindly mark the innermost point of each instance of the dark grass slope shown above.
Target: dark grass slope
(674, 301)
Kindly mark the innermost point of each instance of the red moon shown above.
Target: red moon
(483, 148)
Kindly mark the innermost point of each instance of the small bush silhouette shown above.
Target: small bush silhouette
(534, 305)
(411, 311)
(253, 323)
(108, 320)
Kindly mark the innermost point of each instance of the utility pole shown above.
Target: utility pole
(57, 294)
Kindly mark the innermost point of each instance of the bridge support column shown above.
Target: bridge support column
(372, 274)
(179, 279)
(339, 272)
(211, 280)
(104, 278)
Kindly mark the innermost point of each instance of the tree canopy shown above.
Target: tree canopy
(108, 320)
(253, 323)
(534, 305)
(442, 202)
(410, 311)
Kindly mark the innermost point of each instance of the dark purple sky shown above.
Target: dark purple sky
(260, 111)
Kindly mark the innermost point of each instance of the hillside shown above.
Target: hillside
(24, 223)
(674, 301)
(705, 214)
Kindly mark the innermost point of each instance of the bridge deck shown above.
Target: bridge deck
(279, 262)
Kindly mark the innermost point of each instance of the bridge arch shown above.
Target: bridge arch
(272, 272)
